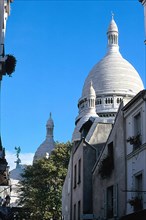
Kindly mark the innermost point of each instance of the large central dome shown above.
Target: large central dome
(113, 78)
(113, 75)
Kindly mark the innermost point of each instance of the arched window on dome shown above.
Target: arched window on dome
(112, 39)
(92, 103)
(108, 39)
(109, 100)
(98, 101)
(118, 100)
(116, 40)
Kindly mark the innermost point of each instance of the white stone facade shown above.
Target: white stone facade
(135, 125)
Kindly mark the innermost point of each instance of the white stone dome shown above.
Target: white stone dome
(15, 174)
(113, 75)
(113, 78)
(91, 92)
(45, 148)
(48, 144)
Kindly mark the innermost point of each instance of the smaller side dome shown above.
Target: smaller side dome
(91, 90)
(48, 144)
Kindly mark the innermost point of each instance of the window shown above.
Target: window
(75, 175)
(79, 171)
(69, 184)
(110, 202)
(98, 101)
(110, 208)
(137, 130)
(74, 212)
(119, 100)
(111, 153)
(108, 100)
(137, 124)
(138, 196)
(110, 149)
(79, 209)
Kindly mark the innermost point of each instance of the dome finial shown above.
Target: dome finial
(50, 115)
(112, 15)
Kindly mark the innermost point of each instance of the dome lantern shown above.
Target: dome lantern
(112, 35)
(50, 126)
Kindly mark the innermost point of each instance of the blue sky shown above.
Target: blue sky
(56, 43)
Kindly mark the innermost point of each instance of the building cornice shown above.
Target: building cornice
(136, 152)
